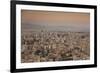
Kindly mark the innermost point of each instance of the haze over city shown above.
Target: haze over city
(55, 21)
(54, 36)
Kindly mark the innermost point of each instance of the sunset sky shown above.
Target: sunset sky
(49, 20)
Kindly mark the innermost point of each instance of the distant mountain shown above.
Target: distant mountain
(54, 27)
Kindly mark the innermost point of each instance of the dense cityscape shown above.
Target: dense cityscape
(46, 46)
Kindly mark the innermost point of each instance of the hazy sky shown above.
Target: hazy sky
(55, 21)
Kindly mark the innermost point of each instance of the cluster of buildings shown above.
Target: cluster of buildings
(44, 46)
